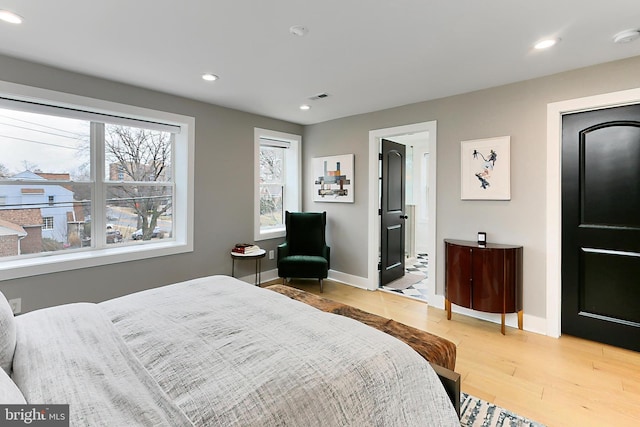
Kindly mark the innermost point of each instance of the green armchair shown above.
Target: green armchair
(304, 253)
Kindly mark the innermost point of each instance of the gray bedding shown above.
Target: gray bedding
(219, 352)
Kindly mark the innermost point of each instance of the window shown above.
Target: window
(47, 223)
(93, 177)
(277, 189)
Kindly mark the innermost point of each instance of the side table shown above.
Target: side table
(257, 256)
(484, 277)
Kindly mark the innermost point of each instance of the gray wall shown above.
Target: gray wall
(223, 197)
(224, 207)
(518, 110)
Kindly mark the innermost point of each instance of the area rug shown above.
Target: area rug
(405, 281)
(476, 412)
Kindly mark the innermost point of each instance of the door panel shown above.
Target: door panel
(488, 281)
(392, 212)
(394, 237)
(601, 225)
(617, 301)
(458, 271)
(610, 166)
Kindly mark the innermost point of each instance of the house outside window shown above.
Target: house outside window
(79, 171)
(277, 188)
(47, 223)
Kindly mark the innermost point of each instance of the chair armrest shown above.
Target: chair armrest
(283, 250)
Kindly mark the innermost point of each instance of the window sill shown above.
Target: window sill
(54, 263)
(271, 234)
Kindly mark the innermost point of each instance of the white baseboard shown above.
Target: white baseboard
(530, 323)
(436, 301)
(348, 279)
(265, 276)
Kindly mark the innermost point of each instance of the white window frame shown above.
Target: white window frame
(183, 213)
(292, 192)
(47, 223)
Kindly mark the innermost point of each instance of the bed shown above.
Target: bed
(215, 351)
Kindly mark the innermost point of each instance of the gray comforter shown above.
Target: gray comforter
(219, 352)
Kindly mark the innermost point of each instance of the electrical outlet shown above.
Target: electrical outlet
(271, 254)
(16, 305)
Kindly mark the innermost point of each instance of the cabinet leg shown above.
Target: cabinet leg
(520, 316)
(502, 328)
(447, 306)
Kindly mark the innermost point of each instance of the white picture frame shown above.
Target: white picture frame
(333, 179)
(486, 169)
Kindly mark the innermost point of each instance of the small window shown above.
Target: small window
(277, 186)
(51, 200)
(47, 223)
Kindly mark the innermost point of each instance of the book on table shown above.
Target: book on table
(245, 248)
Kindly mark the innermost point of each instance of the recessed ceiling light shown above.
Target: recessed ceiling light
(626, 36)
(209, 77)
(10, 17)
(545, 44)
(299, 30)
(305, 107)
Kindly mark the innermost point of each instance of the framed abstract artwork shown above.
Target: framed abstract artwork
(485, 169)
(333, 179)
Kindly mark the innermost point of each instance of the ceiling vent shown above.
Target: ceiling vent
(319, 96)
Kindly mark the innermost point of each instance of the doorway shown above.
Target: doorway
(555, 112)
(601, 225)
(393, 218)
(420, 142)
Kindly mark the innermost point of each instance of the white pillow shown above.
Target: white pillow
(7, 334)
(9, 391)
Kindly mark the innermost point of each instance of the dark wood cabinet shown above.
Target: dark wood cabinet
(485, 278)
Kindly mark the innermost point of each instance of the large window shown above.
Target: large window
(278, 181)
(91, 187)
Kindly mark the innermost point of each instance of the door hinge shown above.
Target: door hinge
(380, 212)
(379, 156)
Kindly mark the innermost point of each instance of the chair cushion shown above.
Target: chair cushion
(305, 233)
(303, 266)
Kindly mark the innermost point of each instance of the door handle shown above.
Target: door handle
(404, 217)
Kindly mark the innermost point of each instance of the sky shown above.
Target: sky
(48, 143)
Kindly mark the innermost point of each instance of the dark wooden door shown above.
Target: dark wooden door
(601, 225)
(488, 280)
(392, 212)
(458, 263)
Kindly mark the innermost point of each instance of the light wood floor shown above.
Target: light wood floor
(558, 382)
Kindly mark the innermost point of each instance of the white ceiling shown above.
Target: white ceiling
(366, 54)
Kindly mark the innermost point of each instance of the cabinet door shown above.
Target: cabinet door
(458, 275)
(488, 280)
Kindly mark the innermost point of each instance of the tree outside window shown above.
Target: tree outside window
(140, 160)
(271, 186)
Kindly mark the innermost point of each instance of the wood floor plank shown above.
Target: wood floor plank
(558, 382)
